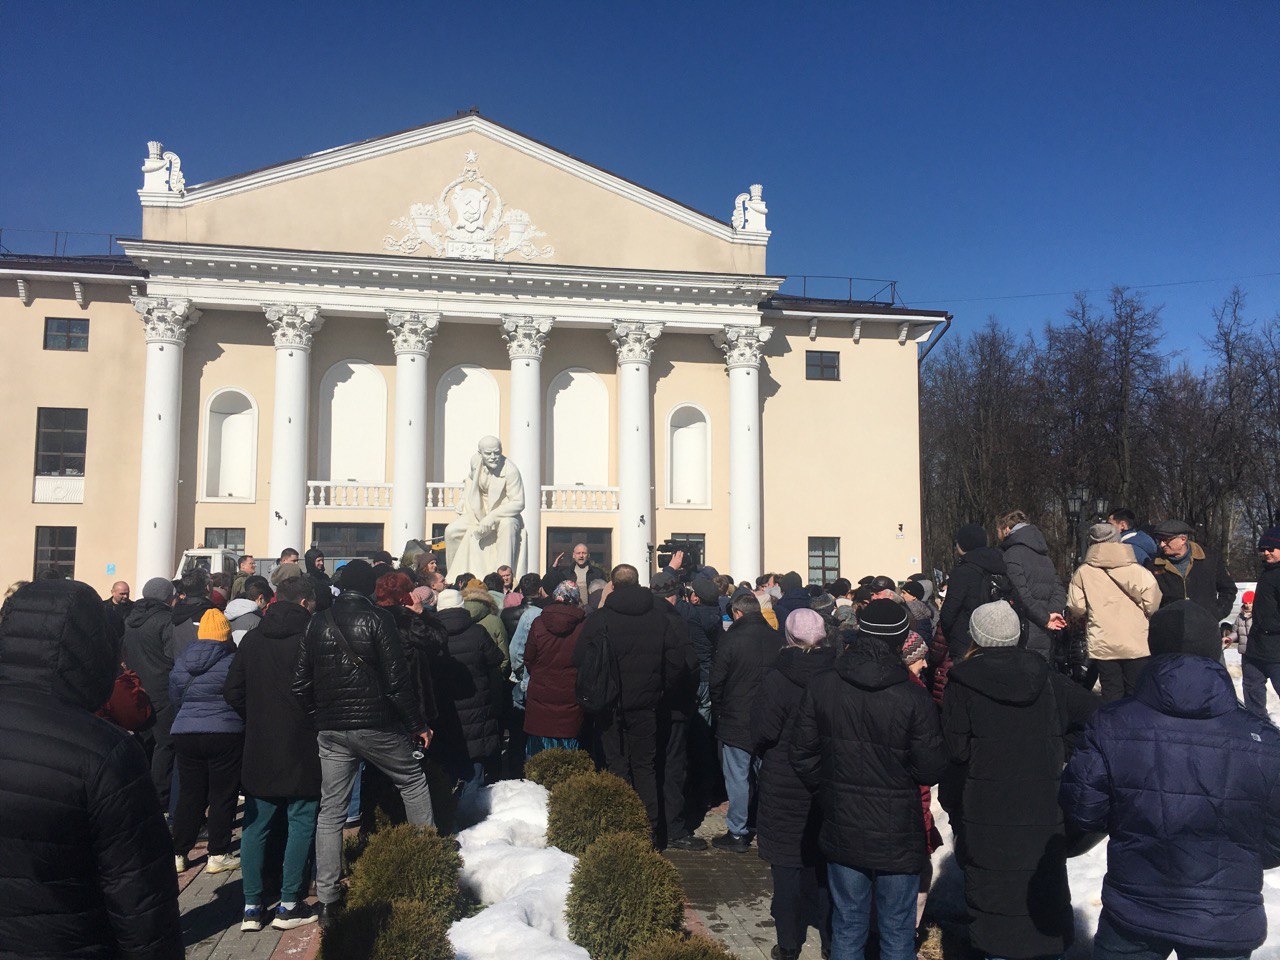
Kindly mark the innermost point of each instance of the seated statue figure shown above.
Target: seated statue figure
(490, 531)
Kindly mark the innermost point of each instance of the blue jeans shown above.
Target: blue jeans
(534, 745)
(852, 890)
(1114, 943)
(740, 770)
(353, 808)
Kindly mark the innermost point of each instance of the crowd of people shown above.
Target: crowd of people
(825, 714)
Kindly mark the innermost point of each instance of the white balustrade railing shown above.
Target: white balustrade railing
(334, 494)
(578, 499)
(443, 496)
(348, 495)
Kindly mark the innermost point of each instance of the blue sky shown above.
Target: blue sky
(971, 151)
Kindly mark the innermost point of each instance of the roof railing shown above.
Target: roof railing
(58, 243)
(848, 289)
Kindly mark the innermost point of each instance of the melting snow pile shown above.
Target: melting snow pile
(1085, 872)
(522, 882)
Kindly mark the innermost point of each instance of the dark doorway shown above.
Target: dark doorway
(599, 541)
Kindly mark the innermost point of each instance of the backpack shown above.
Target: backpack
(999, 587)
(598, 686)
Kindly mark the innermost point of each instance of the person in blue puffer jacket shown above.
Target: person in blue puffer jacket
(1186, 783)
(208, 737)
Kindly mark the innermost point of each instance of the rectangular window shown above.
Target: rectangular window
(227, 538)
(55, 550)
(437, 531)
(60, 441)
(340, 541)
(63, 333)
(821, 365)
(824, 559)
(599, 541)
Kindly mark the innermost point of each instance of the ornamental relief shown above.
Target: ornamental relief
(468, 221)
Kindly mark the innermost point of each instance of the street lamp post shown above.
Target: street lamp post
(1077, 502)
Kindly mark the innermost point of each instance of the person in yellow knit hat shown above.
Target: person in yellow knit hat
(208, 739)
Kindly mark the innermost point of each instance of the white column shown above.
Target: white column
(292, 326)
(165, 324)
(634, 342)
(741, 347)
(411, 333)
(526, 338)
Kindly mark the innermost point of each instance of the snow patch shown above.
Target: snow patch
(522, 882)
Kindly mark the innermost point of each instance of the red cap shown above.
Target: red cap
(1248, 597)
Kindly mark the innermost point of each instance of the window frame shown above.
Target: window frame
(826, 571)
(66, 337)
(223, 545)
(819, 360)
(43, 431)
(54, 551)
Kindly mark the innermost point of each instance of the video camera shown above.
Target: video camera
(692, 562)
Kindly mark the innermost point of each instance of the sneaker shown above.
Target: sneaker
(252, 921)
(288, 919)
(326, 913)
(221, 863)
(737, 843)
(180, 863)
(687, 842)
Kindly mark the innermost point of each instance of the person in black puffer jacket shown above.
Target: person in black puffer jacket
(1006, 716)
(148, 651)
(1261, 660)
(314, 565)
(86, 863)
(472, 675)
(748, 649)
(352, 676)
(1038, 594)
(866, 739)
(651, 665)
(788, 818)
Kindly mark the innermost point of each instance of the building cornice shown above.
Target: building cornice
(471, 123)
(370, 284)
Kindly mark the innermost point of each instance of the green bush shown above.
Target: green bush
(589, 805)
(401, 930)
(622, 895)
(552, 767)
(679, 946)
(408, 863)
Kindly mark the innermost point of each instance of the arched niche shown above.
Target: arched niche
(577, 430)
(230, 445)
(688, 457)
(352, 437)
(466, 409)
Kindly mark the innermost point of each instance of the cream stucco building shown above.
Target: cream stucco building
(308, 353)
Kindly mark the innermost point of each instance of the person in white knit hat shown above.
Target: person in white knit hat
(1005, 716)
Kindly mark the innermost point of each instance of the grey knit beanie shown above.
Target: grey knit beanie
(995, 624)
(158, 588)
(1103, 533)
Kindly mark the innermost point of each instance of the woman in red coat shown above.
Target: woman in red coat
(552, 717)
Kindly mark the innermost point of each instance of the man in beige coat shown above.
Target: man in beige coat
(1114, 596)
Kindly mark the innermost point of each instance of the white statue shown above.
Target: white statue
(490, 531)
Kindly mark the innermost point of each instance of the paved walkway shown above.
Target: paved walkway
(212, 907)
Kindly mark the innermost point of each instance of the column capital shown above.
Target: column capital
(526, 336)
(742, 345)
(634, 340)
(412, 332)
(293, 325)
(166, 319)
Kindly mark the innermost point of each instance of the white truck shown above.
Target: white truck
(210, 559)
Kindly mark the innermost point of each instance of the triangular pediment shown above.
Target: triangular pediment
(465, 188)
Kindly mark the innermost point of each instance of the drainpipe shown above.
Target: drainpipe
(933, 341)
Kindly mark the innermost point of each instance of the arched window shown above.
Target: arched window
(688, 457)
(230, 446)
(466, 410)
(352, 440)
(577, 427)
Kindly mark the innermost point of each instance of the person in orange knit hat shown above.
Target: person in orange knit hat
(208, 737)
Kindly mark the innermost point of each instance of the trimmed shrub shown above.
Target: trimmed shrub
(589, 805)
(401, 930)
(408, 863)
(552, 767)
(679, 946)
(623, 894)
